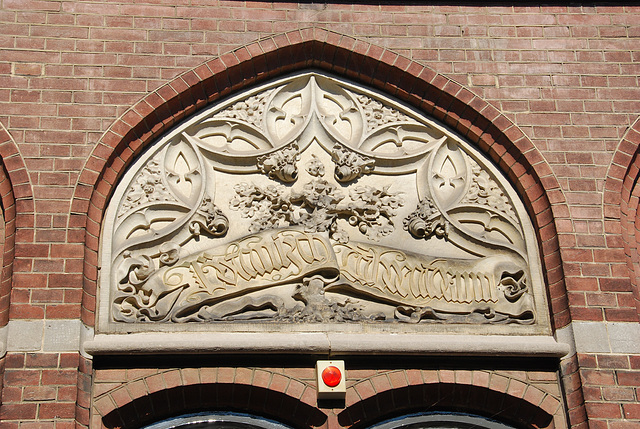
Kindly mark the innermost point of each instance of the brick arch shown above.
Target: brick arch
(622, 202)
(434, 94)
(16, 201)
(486, 393)
(179, 391)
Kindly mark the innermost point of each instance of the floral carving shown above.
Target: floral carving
(146, 187)
(250, 110)
(317, 207)
(483, 190)
(320, 200)
(350, 165)
(315, 167)
(372, 210)
(267, 206)
(426, 221)
(312, 166)
(378, 114)
(281, 164)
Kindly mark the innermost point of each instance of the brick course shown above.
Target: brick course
(550, 93)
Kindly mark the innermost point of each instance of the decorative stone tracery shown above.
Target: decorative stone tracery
(312, 200)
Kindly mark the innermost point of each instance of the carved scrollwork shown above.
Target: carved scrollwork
(210, 219)
(281, 164)
(426, 221)
(350, 165)
(307, 246)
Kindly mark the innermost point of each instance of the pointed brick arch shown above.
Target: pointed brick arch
(622, 203)
(16, 200)
(367, 64)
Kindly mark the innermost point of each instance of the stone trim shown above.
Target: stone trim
(325, 343)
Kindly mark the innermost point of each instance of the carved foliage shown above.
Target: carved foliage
(317, 207)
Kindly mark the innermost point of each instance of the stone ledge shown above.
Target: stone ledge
(325, 343)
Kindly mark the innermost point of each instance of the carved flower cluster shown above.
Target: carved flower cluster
(146, 187)
(484, 191)
(426, 221)
(372, 210)
(378, 114)
(266, 206)
(249, 110)
(317, 207)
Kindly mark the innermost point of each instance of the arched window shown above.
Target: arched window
(217, 421)
(245, 421)
(441, 421)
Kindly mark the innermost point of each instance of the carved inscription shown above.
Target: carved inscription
(270, 259)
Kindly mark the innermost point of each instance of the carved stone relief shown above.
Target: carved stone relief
(312, 200)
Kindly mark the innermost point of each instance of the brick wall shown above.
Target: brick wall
(79, 81)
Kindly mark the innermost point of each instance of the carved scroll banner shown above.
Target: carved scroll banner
(418, 287)
(256, 262)
(314, 200)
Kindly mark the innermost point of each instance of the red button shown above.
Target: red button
(331, 376)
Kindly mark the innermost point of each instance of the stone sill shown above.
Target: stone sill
(325, 344)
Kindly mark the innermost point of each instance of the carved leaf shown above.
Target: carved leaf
(318, 172)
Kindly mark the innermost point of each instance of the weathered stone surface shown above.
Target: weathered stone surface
(311, 200)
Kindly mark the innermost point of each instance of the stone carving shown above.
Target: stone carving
(148, 186)
(378, 114)
(231, 217)
(315, 167)
(317, 208)
(483, 190)
(210, 219)
(411, 287)
(250, 110)
(426, 221)
(350, 165)
(281, 164)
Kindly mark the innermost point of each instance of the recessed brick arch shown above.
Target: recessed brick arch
(178, 391)
(434, 94)
(460, 398)
(622, 202)
(16, 199)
